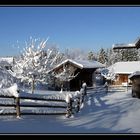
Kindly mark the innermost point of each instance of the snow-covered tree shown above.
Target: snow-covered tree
(130, 55)
(92, 56)
(36, 62)
(102, 57)
(126, 55)
(112, 56)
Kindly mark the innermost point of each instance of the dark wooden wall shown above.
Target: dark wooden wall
(84, 75)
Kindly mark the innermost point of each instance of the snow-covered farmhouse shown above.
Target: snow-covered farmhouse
(6, 62)
(73, 72)
(120, 71)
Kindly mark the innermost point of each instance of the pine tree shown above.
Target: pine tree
(102, 57)
(127, 55)
(138, 55)
(91, 56)
(113, 57)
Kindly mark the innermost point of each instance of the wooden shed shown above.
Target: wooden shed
(81, 70)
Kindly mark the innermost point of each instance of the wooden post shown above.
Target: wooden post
(85, 90)
(82, 95)
(17, 101)
(78, 104)
(69, 109)
(127, 87)
(106, 87)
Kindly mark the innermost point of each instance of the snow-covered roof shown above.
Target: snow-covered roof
(83, 63)
(7, 60)
(135, 44)
(124, 45)
(125, 67)
(137, 73)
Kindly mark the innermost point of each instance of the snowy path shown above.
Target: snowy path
(115, 112)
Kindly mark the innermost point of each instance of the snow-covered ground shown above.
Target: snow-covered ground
(115, 112)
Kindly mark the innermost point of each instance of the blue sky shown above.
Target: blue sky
(88, 28)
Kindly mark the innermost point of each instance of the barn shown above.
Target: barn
(80, 70)
(122, 70)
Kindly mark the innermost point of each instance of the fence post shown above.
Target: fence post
(17, 101)
(78, 104)
(69, 108)
(106, 87)
(82, 95)
(126, 87)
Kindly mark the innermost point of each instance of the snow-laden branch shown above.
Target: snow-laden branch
(67, 74)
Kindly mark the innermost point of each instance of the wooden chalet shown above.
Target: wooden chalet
(122, 70)
(83, 71)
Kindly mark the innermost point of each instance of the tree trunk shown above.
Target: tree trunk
(33, 85)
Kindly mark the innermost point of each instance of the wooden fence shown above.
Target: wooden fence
(18, 103)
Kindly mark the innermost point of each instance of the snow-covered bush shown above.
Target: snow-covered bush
(14, 90)
(108, 74)
(6, 79)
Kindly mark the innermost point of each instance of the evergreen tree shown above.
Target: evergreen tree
(92, 56)
(102, 57)
(128, 55)
(138, 55)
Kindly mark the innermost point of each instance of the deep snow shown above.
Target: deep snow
(115, 112)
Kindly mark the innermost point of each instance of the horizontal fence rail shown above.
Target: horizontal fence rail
(42, 99)
(26, 105)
